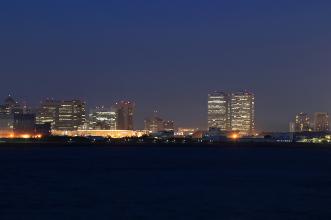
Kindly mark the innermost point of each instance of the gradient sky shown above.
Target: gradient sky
(167, 55)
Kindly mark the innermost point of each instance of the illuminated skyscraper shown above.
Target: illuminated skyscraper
(242, 112)
(321, 121)
(71, 115)
(124, 115)
(218, 111)
(302, 122)
(48, 112)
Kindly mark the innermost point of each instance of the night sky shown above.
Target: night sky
(167, 55)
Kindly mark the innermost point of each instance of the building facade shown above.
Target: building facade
(242, 112)
(71, 116)
(219, 111)
(124, 115)
(302, 122)
(154, 124)
(232, 112)
(321, 121)
(48, 112)
(102, 118)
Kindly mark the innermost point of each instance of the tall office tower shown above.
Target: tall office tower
(124, 115)
(242, 112)
(218, 111)
(48, 112)
(102, 118)
(71, 115)
(302, 122)
(321, 121)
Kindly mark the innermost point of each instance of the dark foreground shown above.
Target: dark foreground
(157, 183)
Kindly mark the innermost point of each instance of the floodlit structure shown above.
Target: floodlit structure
(101, 133)
(102, 118)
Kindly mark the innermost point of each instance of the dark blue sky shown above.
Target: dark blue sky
(168, 55)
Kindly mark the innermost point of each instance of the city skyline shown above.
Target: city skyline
(167, 55)
(226, 111)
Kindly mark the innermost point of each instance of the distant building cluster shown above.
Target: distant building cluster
(233, 111)
(16, 119)
(303, 122)
(155, 124)
(231, 117)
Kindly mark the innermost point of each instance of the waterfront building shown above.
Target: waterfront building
(71, 115)
(101, 133)
(48, 112)
(242, 112)
(219, 111)
(185, 132)
(302, 122)
(321, 121)
(102, 118)
(124, 115)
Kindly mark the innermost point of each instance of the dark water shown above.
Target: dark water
(165, 183)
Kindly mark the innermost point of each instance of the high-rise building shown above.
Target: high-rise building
(102, 118)
(124, 115)
(48, 112)
(321, 121)
(218, 111)
(242, 112)
(302, 122)
(71, 115)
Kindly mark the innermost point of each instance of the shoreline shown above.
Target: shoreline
(167, 145)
